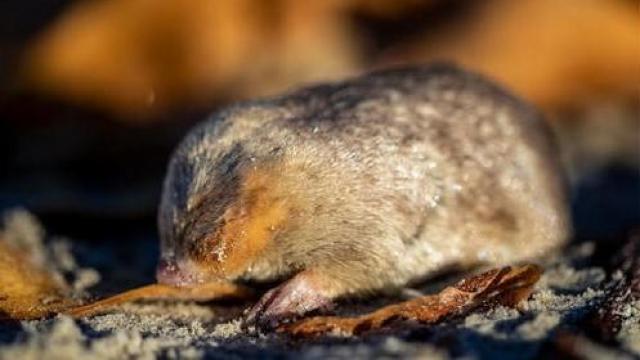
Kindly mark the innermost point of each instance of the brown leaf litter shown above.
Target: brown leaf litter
(565, 299)
(204, 292)
(506, 286)
(30, 292)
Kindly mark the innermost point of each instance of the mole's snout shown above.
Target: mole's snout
(169, 272)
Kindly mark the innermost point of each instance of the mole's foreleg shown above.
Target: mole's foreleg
(305, 292)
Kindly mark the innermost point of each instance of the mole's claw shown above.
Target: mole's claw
(256, 311)
(288, 301)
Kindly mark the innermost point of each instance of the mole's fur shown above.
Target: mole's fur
(361, 186)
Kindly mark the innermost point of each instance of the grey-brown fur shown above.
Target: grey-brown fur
(397, 174)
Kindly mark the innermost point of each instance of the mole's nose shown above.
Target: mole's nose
(169, 273)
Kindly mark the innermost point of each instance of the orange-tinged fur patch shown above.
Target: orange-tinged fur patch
(251, 221)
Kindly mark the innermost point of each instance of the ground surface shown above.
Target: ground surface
(552, 322)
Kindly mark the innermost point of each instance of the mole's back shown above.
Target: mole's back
(405, 171)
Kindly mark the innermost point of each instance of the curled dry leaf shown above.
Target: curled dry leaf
(28, 291)
(204, 292)
(505, 286)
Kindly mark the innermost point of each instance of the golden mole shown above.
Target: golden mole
(351, 188)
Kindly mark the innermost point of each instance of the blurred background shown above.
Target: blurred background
(94, 94)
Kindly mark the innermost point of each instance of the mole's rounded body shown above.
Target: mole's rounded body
(361, 186)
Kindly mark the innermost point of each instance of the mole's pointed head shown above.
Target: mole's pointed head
(223, 233)
(169, 273)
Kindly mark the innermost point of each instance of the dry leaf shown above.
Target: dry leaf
(204, 292)
(505, 286)
(138, 57)
(29, 292)
(556, 54)
(26, 290)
